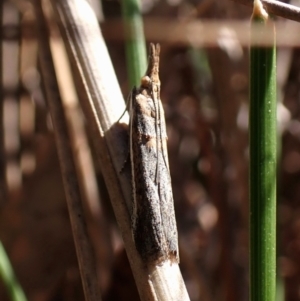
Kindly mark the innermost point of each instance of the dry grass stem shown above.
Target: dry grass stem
(74, 201)
(277, 8)
(103, 104)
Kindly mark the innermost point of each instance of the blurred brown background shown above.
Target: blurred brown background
(204, 75)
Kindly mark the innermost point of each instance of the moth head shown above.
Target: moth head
(145, 81)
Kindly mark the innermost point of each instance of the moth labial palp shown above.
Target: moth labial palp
(153, 217)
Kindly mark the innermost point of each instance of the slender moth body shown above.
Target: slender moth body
(153, 217)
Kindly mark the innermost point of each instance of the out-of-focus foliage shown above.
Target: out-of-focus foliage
(205, 96)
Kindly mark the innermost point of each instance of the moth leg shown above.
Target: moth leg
(127, 108)
(127, 103)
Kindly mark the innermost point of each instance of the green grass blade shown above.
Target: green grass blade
(14, 290)
(263, 162)
(135, 41)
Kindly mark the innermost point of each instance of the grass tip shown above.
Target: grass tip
(259, 13)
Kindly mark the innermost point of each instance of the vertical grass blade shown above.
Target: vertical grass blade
(263, 138)
(135, 41)
(8, 277)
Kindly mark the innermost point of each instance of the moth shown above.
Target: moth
(153, 217)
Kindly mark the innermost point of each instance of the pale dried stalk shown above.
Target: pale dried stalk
(96, 220)
(74, 201)
(206, 33)
(103, 104)
(277, 8)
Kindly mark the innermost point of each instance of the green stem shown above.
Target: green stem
(135, 41)
(14, 290)
(263, 163)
